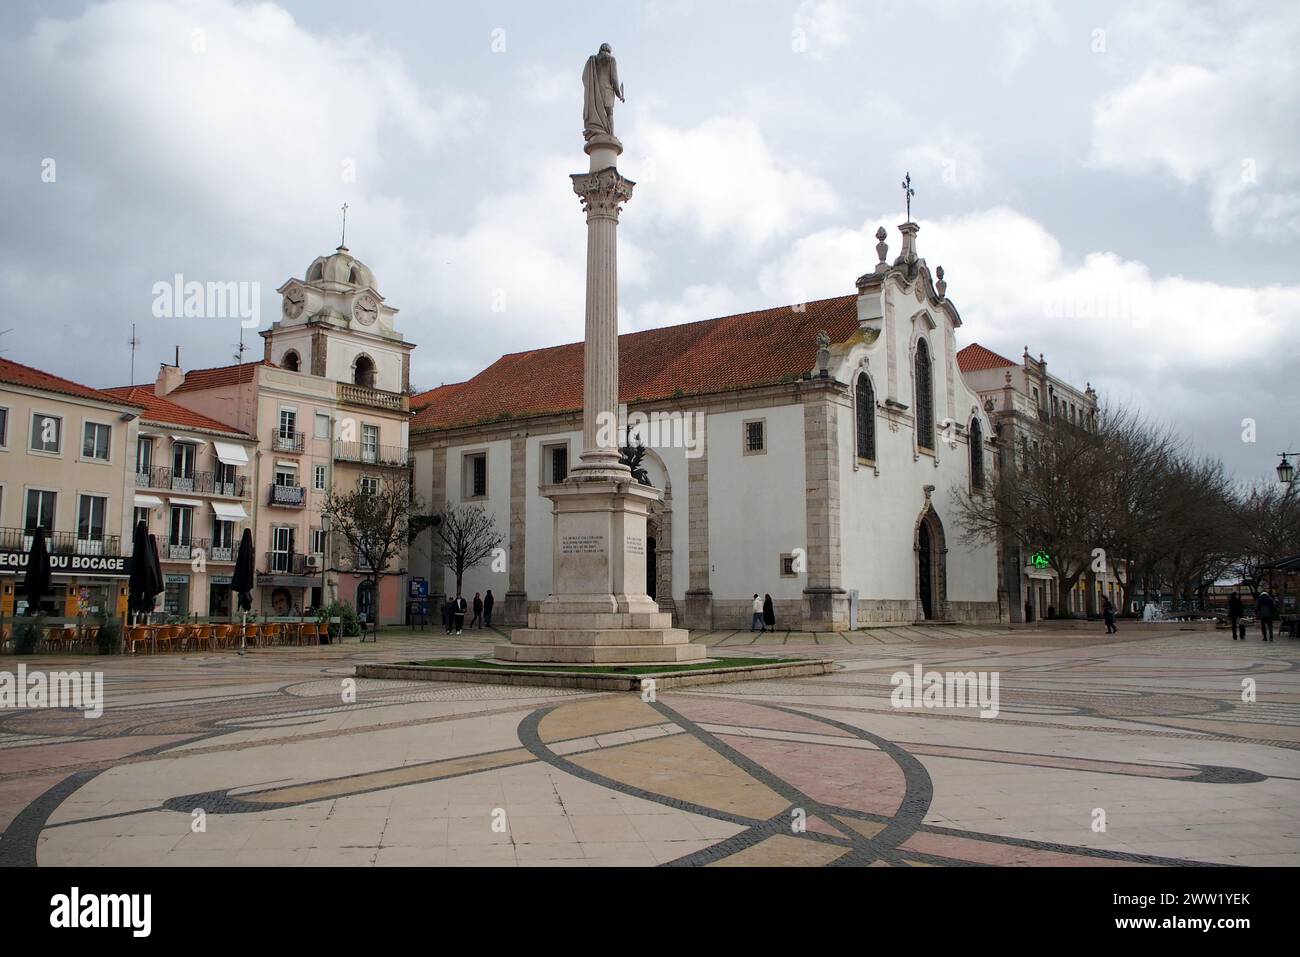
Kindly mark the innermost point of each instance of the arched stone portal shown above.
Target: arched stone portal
(931, 548)
(659, 531)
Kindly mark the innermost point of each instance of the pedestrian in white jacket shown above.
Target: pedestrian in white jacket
(757, 620)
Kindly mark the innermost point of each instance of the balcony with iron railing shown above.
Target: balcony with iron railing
(287, 496)
(61, 543)
(372, 398)
(384, 456)
(282, 441)
(184, 550)
(287, 563)
(202, 483)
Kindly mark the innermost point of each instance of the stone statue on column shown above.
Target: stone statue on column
(600, 87)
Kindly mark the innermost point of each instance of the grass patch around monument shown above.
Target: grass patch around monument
(713, 665)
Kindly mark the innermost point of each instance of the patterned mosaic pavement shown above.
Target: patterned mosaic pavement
(212, 759)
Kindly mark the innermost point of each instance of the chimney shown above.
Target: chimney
(169, 377)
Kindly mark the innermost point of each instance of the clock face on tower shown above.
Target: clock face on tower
(365, 310)
(294, 300)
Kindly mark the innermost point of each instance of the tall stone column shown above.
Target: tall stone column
(603, 191)
(598, 611)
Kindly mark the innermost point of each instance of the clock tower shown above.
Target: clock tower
(334, 323)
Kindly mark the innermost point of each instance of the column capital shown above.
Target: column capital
(602, 192)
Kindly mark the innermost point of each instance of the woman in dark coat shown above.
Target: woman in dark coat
(1235, 612)
(769, 613)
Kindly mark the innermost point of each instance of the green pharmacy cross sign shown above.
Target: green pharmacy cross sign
(1040, 560)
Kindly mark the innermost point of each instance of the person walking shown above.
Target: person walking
(757, 619)
(478, 612)
(1108, 612)
(461, 607)
(1264, 606)
(488, 602)
(1235, 610)
(447, 612)
(769, 613)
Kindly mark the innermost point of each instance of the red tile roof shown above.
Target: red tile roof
(975, 358)
(166, 412)
(218, 376)
(15, 373)
(696, 358)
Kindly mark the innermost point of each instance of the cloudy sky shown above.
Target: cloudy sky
(1116, 187)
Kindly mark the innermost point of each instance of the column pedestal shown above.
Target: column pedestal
(599, 612)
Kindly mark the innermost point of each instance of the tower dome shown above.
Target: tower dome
(341, 267)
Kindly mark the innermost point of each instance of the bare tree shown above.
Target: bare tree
(1266, 520)
(1046, 503)
(375, 524)
(464, 535)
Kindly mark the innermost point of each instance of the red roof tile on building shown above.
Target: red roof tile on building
(165, 412)
(15, 373)
(218, 376)
(696, 358)
(975, 358)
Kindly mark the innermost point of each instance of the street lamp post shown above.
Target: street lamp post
(1285, 470)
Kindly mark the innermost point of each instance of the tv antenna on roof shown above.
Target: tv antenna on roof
(133, 342)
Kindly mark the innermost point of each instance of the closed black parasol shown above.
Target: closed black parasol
(245, 577)
(141, 568)
(37, 581)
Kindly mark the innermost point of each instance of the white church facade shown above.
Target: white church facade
(810, 452)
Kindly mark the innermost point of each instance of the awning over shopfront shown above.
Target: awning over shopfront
(148, 501)
(229, 454)
(188, 502)
(188, 438)
(229, 512)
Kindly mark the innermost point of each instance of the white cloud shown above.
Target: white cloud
(950, 162)
(824, 25)
(721, 179)
(1218, 115)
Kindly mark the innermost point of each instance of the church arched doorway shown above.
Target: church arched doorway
(931, 567)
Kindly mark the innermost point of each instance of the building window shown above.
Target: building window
(47, 433)
(182, 530)
(281, 548)
(976, 454)
(474, 476)
(318, 478)
(40, 511)
(286, 476)
(288, 423)
(369, 484)
(141, 515)
(183, 455)
(787, 566)
(95, 441)
(143, 456)
(866, 416)
(4, 428)
(370, 443)
(555, 463)
(755, 436)
(90, 518)
(318, 541)
(924, 397)
(223, 534)
(1038, 403)
(322, 425)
